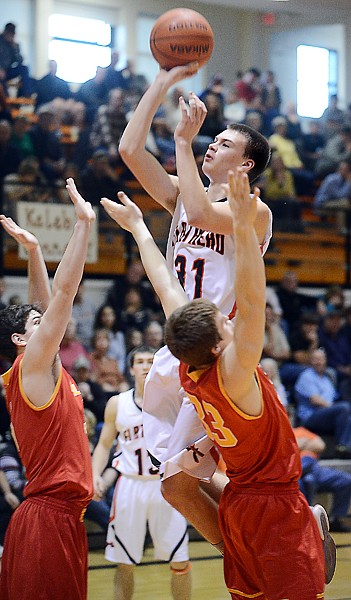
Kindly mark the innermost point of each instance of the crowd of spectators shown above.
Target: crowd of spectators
(97, 112)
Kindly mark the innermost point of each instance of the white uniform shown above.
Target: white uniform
(205, 265)
(137, 498)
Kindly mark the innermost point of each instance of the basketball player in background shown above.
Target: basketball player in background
(272, 544)
(137, 498)
(45, 549)
(201, 252)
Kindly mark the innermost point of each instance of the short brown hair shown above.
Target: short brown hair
(191, 332)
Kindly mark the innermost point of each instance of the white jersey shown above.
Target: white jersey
(204, 261)
(131, 457)
(205, 265)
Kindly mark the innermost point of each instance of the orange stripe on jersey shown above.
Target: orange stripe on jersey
(239, 593)
(51, 399)
(230, 401)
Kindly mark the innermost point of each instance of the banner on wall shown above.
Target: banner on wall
(53, 225)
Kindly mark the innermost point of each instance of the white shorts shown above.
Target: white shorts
(171, 424)
(137, 502)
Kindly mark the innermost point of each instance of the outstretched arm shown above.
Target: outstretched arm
(146, 168)
(165, 284)
(38, 280)
(43, 345)
(240, 357)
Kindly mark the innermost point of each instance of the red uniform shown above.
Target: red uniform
(45, 550)
(273, 549)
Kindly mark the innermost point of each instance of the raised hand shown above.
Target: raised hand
(128, 215)
(84, 210)
(243, 205)
(192, 118)
(22, 236)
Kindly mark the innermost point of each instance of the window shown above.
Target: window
(79, 45)
(317, 75)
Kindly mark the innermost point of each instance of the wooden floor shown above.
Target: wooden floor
(152, 580)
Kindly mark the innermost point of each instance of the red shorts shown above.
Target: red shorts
(45, 552)
(273, 549)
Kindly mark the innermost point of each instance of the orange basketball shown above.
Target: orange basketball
(181, 36)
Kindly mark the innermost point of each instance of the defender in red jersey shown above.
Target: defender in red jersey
(45, 549)
(272, 546)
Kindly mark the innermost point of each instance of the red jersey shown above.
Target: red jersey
(256, 450)
(51, 439)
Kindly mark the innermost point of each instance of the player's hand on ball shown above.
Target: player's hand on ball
(127, 214)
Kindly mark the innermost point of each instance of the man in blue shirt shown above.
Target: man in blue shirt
(335, 186)
(317, 408)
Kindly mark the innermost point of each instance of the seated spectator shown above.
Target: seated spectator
(216, 89)
(99, 179)
(133, 277)
(11, 62)
(293, 302)
(50, 86)
(71, 348)
(294, 130)
(333, 299)
(275, 344)
(333, 118)
(255, 119)
(317, 479)
(153, 335)
(132, 82)
(278, 187)
(270, 367)
(9, 156)
(12, 482)
(134, 338)
(105, 370)
(248, 87)
(109, 124)
(310, 144)
(335, 190)
(336, 343)
(270, 98)
(317, 407)
(134, 313)
(83, 312)
(336, 150)
(106, 318)
(93, 93)
(20, 138)
(286, 148)
(303, 340)
(47, 146)
(27, 185)
(234, 107)
(113, 76)
(165, 144)
(98, 511)
(94, 397)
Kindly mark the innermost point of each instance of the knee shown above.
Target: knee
(180, 568)
(178, 489)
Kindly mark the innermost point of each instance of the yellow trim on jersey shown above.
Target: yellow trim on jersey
(233, 405)
(25, 397)
(6, 376)
(232, 591)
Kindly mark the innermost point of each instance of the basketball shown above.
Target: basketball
(181, 36)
